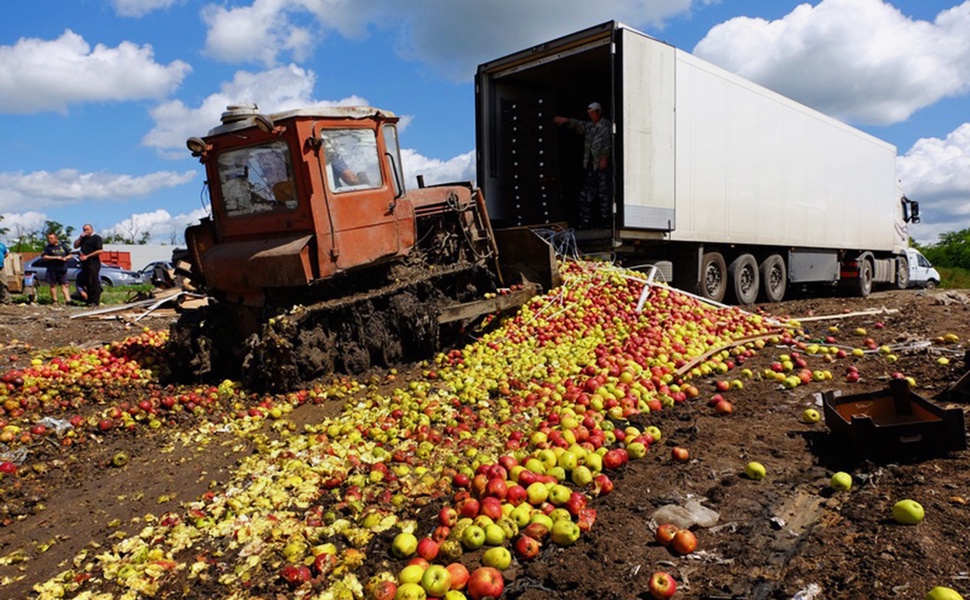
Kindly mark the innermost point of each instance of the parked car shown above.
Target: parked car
(110, 275)
(158, 273)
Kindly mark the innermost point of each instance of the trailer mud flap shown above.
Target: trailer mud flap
(249, 267)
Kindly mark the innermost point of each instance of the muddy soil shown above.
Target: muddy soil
(786, 536)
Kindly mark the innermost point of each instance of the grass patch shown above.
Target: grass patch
(954, 278)
(110, 296)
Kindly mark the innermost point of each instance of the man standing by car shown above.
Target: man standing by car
(55, 256)
(91, 247)
(4, 290)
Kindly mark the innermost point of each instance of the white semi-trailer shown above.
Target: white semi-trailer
(732, 188)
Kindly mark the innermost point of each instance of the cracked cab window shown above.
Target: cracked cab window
(257, 179)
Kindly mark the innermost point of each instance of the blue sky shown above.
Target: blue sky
(97, 97)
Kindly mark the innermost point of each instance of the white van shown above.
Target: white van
(921, 272)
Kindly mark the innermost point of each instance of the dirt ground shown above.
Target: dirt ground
(787, 536)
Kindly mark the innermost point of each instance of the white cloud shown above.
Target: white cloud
(862, 61)
(140, 8)
(274, 90)
(162, 227)
(451, 37)
(459, 168)
(39, 75)
(259, 32)
(22, 224)
(67, 186)
(937, 173)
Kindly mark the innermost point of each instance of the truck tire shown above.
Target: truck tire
(864, 284)
(745, 280)
(902, 273)
(713, 282)
(931, 284)
(774, 278)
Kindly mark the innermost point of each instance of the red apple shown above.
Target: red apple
(515, 495)
(485, 582)
(684, 542)
(679, 454)
(447, 516)
(428, 549)
(662, 585)
(384, 590)
(527, 548)
(665, 533)
(602, 485)
(459, 575)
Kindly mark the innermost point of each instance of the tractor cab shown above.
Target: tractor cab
(298, 196)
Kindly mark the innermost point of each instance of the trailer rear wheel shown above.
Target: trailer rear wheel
(744, 279)
(713, 283)
(864, 284)
(902, 272)
(774, 278)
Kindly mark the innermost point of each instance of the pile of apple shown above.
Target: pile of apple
(514, 433)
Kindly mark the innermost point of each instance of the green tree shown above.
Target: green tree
(952, 250)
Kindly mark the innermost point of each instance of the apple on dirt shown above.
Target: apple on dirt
(943, 593)
(841, 481)
(662, 585)
(755, 471)
(665, 534)
(684, 542)
(908, 512)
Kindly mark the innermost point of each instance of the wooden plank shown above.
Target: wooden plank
(471, 310)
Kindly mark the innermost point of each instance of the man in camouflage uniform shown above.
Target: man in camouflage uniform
(4, 292)
(596, 197)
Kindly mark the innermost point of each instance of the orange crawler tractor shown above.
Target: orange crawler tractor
(317, 258)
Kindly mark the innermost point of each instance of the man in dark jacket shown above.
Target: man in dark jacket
(91, 247)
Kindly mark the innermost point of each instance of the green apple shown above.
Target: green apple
(436, 580)
(542, 518)
(537, 493)
(411, 574)
(564, 532)
(559, 494)
(654, 432)
(568, 460)
(594, 462)
(494, 535)
(410, 591)
(558, 472)
(943, 593)
(560, 513)
(498, 557)
(455, 595)
(535, 465)
(841, 481)
(521, 514)
(582, 476)
(636, 450)
(755, 470)
(811, 416)
(473, 537)
(908, 512)
(404, 545)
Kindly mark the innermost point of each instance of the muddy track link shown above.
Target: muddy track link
(395, 323)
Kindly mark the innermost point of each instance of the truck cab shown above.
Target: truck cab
(921, 272)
